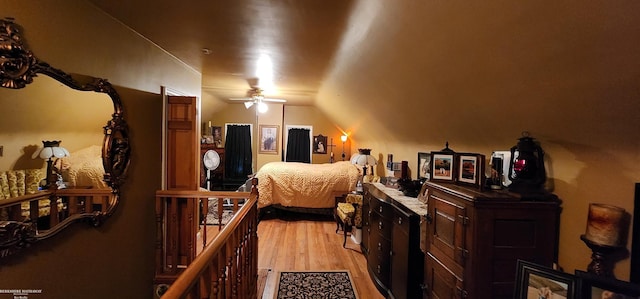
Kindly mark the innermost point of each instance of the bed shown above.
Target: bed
(302, 185)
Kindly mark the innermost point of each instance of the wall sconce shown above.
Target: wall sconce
(50, 150)
(344, 139)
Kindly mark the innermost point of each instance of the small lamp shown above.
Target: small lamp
(50, 150)
(365, 159)
(344, 139)
(526, 168)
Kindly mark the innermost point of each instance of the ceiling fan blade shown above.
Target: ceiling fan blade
(240, 99)
(274, 100)
(248, 104)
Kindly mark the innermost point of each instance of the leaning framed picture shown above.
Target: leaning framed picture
(268, 139)
(596, 286)
(535, 281)
(443, 166)
(424, 170)
(470, 169)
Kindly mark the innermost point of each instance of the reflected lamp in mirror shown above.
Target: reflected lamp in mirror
(364, 159)
(50, 150)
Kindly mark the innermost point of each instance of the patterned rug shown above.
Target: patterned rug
(315, 285)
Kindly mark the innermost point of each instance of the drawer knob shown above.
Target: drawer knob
(379, 246)
(380, 225)
(380, 209)
(399, 220)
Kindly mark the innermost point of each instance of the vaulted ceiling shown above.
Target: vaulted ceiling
(288, 43)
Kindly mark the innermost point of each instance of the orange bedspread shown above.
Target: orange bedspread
(292, 184)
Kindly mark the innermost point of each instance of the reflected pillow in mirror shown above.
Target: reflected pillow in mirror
(4, 186)
(13, 183)
(32, 178)
(20, 181)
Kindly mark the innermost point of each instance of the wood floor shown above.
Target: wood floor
(311, 243)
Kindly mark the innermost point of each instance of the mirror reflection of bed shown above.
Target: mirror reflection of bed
(49, 110)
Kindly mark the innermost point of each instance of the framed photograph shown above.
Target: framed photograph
(268, 139)
(424, 169)
(320, 144)
(592, 286)
(443, 166)
(470, 169)
(216, 132)
(534, 281)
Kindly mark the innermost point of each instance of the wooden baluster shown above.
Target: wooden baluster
(172, 238)
(204, 213)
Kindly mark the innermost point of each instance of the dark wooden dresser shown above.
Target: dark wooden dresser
(473, 239)
(391, 241)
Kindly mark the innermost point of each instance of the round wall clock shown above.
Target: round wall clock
(211, 160)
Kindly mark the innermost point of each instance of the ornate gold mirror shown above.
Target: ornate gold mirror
(48, 184)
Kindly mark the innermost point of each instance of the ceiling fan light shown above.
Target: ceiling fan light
(262, 107)
(248, 104)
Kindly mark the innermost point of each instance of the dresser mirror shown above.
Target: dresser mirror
(77, 118)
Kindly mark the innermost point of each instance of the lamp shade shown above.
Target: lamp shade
(51, 149)
(363, 157)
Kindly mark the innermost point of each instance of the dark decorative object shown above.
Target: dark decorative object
(526, 169)
(18, 67)
(410, 187)
(601, 262)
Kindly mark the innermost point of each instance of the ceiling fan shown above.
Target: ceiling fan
(255, 96)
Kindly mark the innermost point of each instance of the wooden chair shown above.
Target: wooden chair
(348, 213)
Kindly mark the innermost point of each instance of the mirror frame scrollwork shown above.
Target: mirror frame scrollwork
(18, 67)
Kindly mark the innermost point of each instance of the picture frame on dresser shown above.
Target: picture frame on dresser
(424, 167)
(471, 169)
(592, 285)
(535, 281)
(443, 167)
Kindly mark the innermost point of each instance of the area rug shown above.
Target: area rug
(315, 285)
(212, 213)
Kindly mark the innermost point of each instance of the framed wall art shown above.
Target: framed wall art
(320, 144)
(598, 286)
(470, 169)
(443, 166)
(268, 139)
(424, 169)
(534, 281)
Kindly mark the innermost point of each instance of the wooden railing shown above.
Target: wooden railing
(227, 265)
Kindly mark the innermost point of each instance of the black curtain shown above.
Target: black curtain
(237, 150)
(299, 146)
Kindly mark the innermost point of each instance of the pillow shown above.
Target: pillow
(20, 181)
(4, 185)
(13, 183)
(32, 180)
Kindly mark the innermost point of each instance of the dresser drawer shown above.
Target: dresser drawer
(383, 208)
(380, 225)
(378, 258)
(401, 221)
